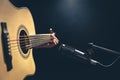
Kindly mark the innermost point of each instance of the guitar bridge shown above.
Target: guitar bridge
(5, 45)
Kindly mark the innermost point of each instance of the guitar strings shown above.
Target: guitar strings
(36, 42)
(25, 47)
(27, 39)
(37, 35)
(28, 45)
(33, 41)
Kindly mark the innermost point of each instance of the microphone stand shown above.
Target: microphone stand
(103, 48)
(108, 50)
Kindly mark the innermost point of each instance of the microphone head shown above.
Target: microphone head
(67, 51)
(66, 48)
(91, 44)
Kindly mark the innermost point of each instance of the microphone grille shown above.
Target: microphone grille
(64, 47)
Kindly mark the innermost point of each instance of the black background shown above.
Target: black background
(86, 21)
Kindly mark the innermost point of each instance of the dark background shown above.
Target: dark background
(76, 23)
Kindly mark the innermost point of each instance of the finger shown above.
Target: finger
(56, 42)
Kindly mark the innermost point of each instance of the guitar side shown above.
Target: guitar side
(17, 19)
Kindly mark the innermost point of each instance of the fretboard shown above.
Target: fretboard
(39, 39)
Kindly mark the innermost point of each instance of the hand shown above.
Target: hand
(54, 42)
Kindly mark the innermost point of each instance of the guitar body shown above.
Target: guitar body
(18, 20)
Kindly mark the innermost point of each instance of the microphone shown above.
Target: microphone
(70, 51)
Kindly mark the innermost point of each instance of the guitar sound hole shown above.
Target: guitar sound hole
(24, 41)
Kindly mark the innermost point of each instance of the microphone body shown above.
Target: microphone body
(70, 51)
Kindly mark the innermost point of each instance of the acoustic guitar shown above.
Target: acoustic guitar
(17, 38)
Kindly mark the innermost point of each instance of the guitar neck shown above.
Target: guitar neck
(39, 39)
